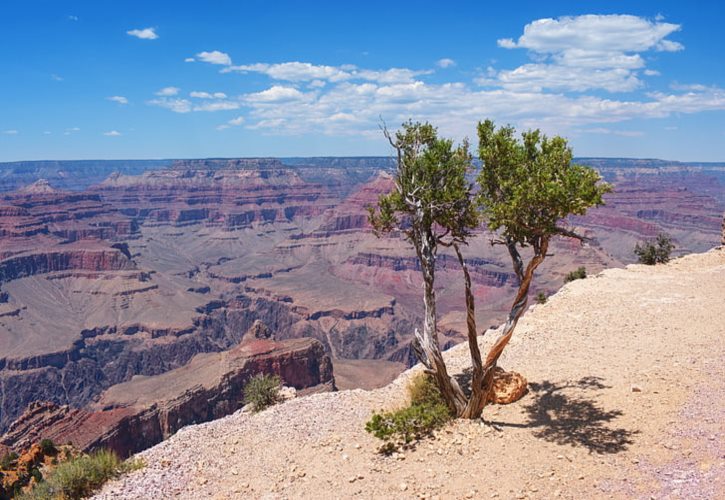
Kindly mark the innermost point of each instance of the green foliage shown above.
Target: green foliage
(8, 460)
(47, 446)
(262, 391)
(81, 476)
(528, 186)
(655, 251)
(541, 298)
(432, 190)
(426, 413)
(579, 274)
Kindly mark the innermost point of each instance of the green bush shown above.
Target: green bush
(262, 391)
(81, 476)
(8, 460)
(541, 298)
(655, 251)
(427, 412)
(579, 274)
(47, 446)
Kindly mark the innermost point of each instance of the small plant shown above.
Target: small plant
(47, 446)
(579, 274)
(427, 412)
(81, 476)
(541, 298)
(655, 251)
(262, 391)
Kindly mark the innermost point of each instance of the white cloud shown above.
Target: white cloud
(596, 51)
(144, 34)
(215, 57)
(597, 33)
(70, 131)
(47, 132)
(445, 63)
(295, 71)
(276, 93)
(651, 72)
(112, 133)
(217, 106)
(10, 132)
(56, 78)
(207, 95)
(610, 131)
(118, 98)
(189, 59)
(176, 105)
(72, 18)
(234, 122)
(168, 91)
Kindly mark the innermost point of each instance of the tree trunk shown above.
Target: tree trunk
(428, 340)
(477, 401)
(517, 309)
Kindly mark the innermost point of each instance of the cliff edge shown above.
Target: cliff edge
(627, 393)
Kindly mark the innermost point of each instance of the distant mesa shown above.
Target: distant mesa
(41, 186)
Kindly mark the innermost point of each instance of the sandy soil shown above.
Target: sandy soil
(627, 385)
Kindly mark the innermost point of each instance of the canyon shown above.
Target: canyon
(118, 277)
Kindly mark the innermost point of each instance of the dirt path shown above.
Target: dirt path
(627, 393)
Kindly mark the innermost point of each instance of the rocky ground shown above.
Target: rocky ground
(627, 393)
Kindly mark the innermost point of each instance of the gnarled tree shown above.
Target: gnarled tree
(432, 205)
(527, 188)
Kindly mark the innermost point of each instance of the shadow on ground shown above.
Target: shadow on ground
(563, 414)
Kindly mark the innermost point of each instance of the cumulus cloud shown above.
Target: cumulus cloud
(214, 57)
(168, 91)
(118, 98)
(595, 51)
(144, 34)
(112, 133)
(277, 93)
(445, 63)
(570, 57)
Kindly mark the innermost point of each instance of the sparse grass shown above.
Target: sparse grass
(541, 298)
(8, 460)
(579, 274)
(427, 412)
(81, 476)
(262, 391)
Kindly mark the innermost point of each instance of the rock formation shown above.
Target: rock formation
(137, 414)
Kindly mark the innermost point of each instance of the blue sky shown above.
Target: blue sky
(108, 79)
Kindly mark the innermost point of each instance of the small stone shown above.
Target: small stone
(635, 461)
(403, 487)
(636, 388)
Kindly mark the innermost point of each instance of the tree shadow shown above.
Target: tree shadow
(573, 419)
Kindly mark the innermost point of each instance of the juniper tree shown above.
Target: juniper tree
(432, 205)
(527, 188)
